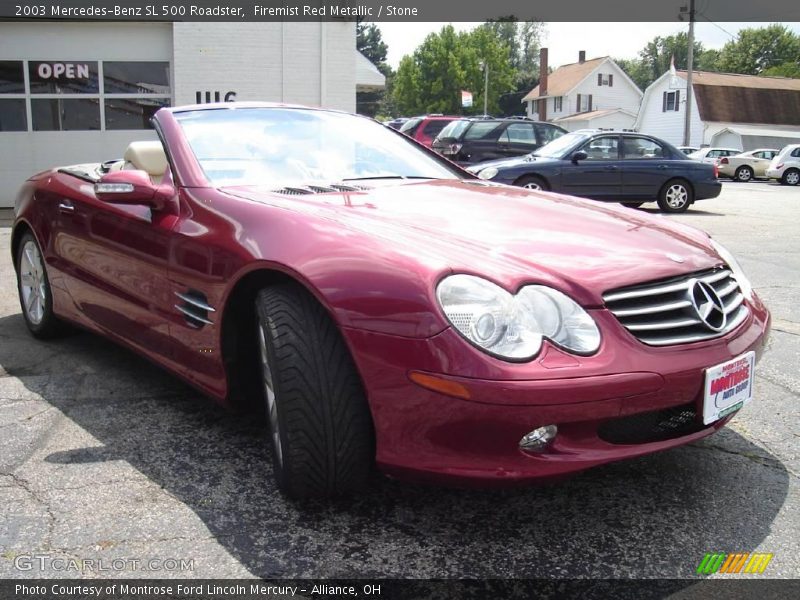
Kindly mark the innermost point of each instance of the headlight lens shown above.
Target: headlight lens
(487, 173)
(513, 326)
(736, 268)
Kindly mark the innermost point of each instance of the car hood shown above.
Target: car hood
(504, 163)
(511, 235)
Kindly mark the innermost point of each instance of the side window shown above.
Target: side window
(548, 134)
(602, 148)
(521, 133)
(760, 154)
(434, 128)
(482, 130)
(796, 152)
(639, 148)
(714, 154)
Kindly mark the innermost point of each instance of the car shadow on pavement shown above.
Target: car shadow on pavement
(650, 517)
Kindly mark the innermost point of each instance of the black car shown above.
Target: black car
(468, 141)
(604, 165)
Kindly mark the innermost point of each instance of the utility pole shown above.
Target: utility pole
(485, 66)
(687, 124)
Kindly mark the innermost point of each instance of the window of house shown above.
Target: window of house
(605, 79)
(584, 103)
(671, 101)
(82, 95)
(634, 148)
(558, 103)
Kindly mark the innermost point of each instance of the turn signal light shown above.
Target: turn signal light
(441, 385)
(716, 170)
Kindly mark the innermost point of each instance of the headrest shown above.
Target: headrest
(147, 156)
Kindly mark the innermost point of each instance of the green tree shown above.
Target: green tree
(756, 50)
(369, 42)
(787, 69)
(431, 79)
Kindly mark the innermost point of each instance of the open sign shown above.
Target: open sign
(65, 70)
(63, 77)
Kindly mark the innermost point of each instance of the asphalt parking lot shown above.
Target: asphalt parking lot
(103, 455)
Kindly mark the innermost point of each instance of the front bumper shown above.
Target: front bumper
(428, 436)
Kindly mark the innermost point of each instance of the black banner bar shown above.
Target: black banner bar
(385, 589)
(398, 10)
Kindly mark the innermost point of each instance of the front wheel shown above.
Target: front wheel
(35, 294)
(532, 182)
(791, 177)
(675, 196)
(320, 424)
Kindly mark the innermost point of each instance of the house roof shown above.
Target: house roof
(746, 98)
(593, 114)
(788, 132)
(368, 77)
(565, 78)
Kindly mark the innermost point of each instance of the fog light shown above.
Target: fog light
(538, 438)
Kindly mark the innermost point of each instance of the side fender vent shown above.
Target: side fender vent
(195, 308)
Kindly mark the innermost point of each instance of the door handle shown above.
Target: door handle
(66, 206)
(662, 167)
(612, 168)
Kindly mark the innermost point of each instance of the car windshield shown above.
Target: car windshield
(559, 146)
(290, 146)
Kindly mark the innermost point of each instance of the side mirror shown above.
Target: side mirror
(578, 156)
(130, 187)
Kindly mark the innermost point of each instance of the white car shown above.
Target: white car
(712, 155)
(747, 165)
(786, 166)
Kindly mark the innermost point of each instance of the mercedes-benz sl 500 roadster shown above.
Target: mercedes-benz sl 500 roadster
(383, 307)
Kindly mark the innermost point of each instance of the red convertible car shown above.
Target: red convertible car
(385, 307)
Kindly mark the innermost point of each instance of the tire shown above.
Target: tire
(532, 182)
(676, 196)
(35, 294)
(791, 177)
(319, 420)
(744, 173)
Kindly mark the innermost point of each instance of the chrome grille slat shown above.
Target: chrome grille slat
(663, 313)
(632, 312)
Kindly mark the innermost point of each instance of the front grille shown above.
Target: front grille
(656, 426)
(662, 313)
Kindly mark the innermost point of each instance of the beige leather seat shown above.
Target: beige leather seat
(146, 156)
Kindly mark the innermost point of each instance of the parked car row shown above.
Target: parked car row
(765, 163)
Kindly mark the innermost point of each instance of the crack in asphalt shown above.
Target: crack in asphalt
(23, 484)
(763, 461)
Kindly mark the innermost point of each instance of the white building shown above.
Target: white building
(74, 92)
(593, 93)
(739, 111)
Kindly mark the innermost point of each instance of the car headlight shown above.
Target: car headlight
(513, 326)
(487, 173)
(736, 268)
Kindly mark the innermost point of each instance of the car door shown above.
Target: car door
(114, 259)
(480, 142)
(599, 176)
(760, 161)
(646, 167)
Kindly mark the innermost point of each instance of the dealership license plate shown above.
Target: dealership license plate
(729, 386)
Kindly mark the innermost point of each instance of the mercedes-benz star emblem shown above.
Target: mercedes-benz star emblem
(707, 304)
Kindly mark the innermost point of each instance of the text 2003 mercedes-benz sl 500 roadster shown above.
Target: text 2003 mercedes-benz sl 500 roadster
(385, 307)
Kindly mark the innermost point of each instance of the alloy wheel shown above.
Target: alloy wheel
(32, 282)
(677, 196)
(793, 178)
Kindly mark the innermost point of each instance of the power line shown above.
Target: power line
(722, 29)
